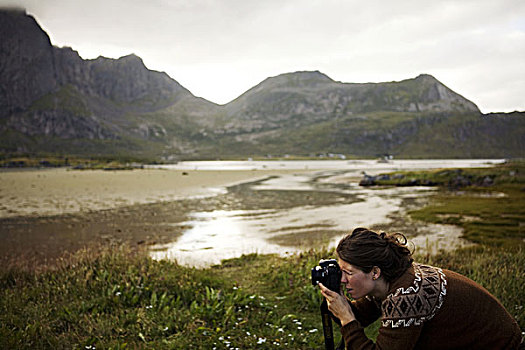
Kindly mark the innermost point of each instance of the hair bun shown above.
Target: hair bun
(365, 249)
(398, 238)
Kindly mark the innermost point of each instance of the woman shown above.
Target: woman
(421, 307)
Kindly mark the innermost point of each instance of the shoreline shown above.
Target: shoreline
(49, 192)
(46, 213)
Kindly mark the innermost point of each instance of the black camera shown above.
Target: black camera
(328, 273)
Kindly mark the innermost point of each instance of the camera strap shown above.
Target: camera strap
(326, 317)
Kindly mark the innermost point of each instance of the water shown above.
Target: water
(211, 236)
(350, 165)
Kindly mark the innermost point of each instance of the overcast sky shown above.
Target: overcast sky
(218, 49)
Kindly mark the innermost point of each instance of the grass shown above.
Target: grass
(53, 161)
(489, 214)
(67, 98)
(118, 298)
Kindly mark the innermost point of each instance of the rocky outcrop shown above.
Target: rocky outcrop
(453, 179)
(52, 91)
(31, 67)
(128, 80)
(27, 70)
(62, 124)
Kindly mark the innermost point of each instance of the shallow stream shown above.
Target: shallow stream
(292, 212)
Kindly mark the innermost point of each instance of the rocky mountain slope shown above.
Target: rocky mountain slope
(52, 94)
(308, 97)
(53, 101)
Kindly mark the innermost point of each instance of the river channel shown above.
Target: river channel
(314, 205)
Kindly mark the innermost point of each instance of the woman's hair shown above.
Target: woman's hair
(365, 249)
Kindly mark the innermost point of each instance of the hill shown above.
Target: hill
(54, 102)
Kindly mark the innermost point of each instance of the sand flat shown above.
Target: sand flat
(59, 191)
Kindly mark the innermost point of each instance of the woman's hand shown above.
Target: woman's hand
(338, 305)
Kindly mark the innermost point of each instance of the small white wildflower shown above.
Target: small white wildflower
(248, 333)
(313, 330)
(149, 307)
(261, 340)
(117, 294)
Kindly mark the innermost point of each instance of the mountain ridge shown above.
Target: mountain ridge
(53, 101)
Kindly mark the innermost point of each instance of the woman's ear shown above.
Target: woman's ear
(376, 273)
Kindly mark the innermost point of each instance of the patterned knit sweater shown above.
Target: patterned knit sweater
(429, 308)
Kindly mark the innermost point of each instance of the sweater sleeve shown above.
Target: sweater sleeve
(389, 338)
(366, 310)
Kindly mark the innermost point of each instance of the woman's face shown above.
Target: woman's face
(357, 283)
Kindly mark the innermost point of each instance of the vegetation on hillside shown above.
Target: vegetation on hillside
(47, 161)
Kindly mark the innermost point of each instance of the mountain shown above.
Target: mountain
(313, 96)
(303, 98)
(54, 102)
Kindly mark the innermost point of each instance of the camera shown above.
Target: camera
(328, 273)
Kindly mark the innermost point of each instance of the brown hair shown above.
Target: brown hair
(365, 249)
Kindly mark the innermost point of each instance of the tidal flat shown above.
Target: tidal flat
(198, 215)
(44, 213)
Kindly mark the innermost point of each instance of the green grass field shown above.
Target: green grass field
(117, 298)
